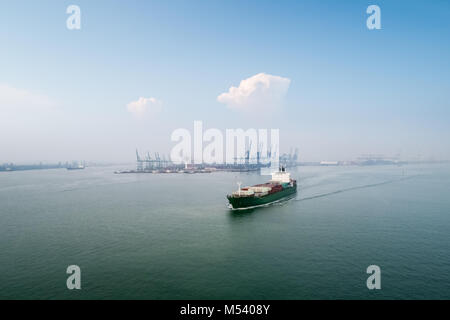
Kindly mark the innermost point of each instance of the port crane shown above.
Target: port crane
(148, 163)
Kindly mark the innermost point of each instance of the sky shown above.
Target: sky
(138, 70)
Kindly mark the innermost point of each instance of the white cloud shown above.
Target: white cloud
(145, 106)
(261, 91)
(18, 99)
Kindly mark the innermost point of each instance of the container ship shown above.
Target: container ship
(281, 186)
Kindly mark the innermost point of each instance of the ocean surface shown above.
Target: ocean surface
(171, 236)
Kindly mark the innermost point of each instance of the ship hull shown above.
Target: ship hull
(252, 202)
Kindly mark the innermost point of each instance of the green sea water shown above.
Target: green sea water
(171, 236)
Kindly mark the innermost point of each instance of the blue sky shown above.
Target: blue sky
(352, 90)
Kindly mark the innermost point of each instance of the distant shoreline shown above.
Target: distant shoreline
(14, 168)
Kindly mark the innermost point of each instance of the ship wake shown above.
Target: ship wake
(353, 188)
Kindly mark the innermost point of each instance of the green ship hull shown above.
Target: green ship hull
(252, 202)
